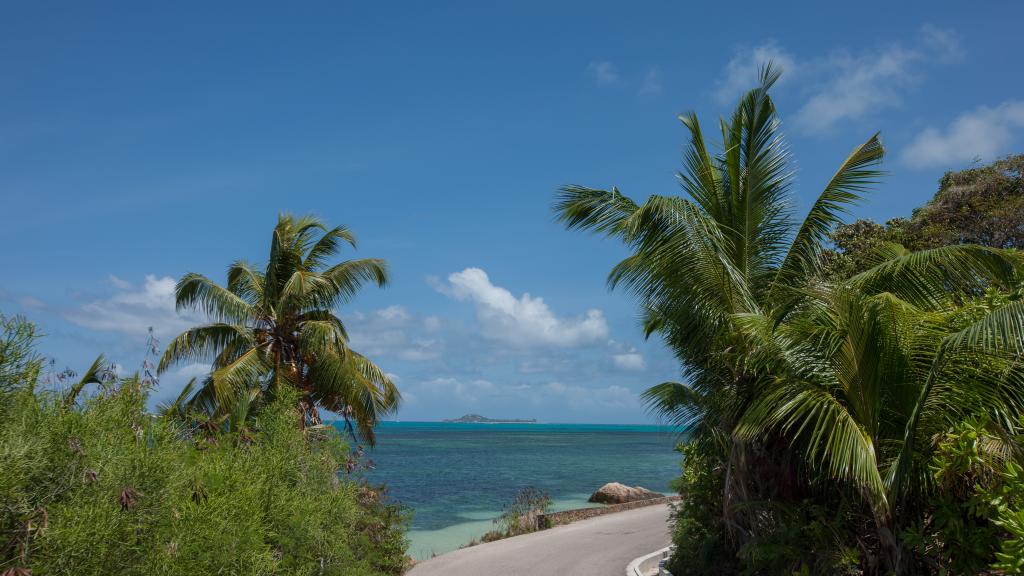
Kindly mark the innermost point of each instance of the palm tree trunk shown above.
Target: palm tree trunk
(891, 551)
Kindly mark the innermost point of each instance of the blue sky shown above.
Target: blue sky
(141, 142)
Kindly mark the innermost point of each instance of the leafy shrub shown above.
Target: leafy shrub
(817, 535)
(1007, 499)
(978, 501)
(520, 516)
(701, 542)
(103, 487)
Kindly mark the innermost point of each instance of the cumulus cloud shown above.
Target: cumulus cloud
(603, 72)
(525, 321)
(741, 73)
(982, 133)
(629, 361)
(134, 310)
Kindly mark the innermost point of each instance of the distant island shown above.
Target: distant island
(478, 419)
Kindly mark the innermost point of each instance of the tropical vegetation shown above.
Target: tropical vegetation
(981, 205)
(845, 411)
(274, 327)
(93, 483)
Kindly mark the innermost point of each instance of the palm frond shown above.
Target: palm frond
(195, 291)
(933, 278)
(600, 211)
(248, 369)
(246, 282)
(327, 246)
(832, 439)
(355, 387)
(349, 276)
(204, 342)
(95, 374)
(178, 407)
(677, 403)
(846, 188)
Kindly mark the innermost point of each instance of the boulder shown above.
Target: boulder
(615, 493)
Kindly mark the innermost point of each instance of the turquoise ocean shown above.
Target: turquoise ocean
(457, 477)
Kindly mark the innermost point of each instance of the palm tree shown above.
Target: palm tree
(276, 327)
(727, 248)
(732, 284)
(863, 383)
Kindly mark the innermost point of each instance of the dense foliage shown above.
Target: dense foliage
(93, 484)
(818, 402)
(982, 205)
(275, 328)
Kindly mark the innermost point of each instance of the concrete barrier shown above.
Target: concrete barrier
(566, 516)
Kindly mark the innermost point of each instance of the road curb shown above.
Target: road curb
(641, 566)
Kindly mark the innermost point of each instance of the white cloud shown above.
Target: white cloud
(859, 84)
(122, 284)
(392, 332)
(981, 133)
(394, 313)
(524, 321)
(603, 72)
(193, 371)
(629, 361)
(134, 311)
(652, 82)
(422, 349)
(741, 73)
(173, 382)
(584, 398)
(30, 302)
(856, 85)
(539, 364)
(432, 324)
(943, 45)
(479, 392)
(843, 86)
(466, 391)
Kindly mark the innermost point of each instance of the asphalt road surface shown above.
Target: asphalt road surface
(600, 546)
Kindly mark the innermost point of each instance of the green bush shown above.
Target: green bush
(103, 487)
(520, 516)
(975, 515)
(1007, 500)
(702, 545)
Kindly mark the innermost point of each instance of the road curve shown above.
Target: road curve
(600, 546)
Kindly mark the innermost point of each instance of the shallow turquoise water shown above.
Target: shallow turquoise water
(457, 477)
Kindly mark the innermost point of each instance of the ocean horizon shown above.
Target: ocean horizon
(457, 477)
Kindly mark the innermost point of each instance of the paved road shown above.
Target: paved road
(600, 546)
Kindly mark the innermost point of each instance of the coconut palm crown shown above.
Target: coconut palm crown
(276, 326)
(853, 376)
